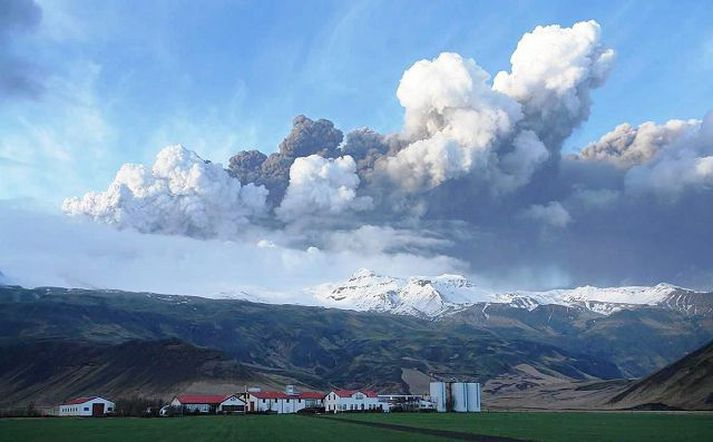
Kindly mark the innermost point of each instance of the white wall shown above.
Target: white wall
(281, 406)
(262, 405)
(356, 402)
(231, 401)
(85, 409)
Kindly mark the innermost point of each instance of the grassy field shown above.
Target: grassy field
(193, 429)
(530, 426)
(625, 426)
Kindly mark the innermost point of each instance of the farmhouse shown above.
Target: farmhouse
(268, 401)
(206, 403)
(290, 401)
(351, 400)
(87, 406)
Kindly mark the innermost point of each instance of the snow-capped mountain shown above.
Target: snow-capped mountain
(431, 297)
(367, 291)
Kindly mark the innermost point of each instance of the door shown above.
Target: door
(97, 409)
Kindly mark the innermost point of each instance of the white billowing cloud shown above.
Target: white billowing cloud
(181, 194)
(459, 124)
(552, 213)
(322, 186)
(454, 119)
(451, 96)
(628, 146)
(553, 70)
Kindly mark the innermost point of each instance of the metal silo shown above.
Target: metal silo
(438, 396)
(459, 393)
(473, 394)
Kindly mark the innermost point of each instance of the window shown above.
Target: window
(86, 408)
(288, 401)
(299, 401)
(263, 401)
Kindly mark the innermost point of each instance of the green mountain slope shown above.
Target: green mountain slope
(311, 346)
(637, 341)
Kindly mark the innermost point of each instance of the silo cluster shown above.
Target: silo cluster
(459, 397)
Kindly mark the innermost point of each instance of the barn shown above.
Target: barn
(87, 406)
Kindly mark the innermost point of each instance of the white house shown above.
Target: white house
(87, 406)
(337, 401)
(278, 402)
(268, 401)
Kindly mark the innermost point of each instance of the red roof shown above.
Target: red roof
(349, 393)
(80, 400)
(281, 395)
(202, 398)
(310, 395)
(270, 394)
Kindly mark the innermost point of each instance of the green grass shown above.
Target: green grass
(531, 426)
(194, 429)
(570, 426)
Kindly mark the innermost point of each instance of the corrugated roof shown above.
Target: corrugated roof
(349, 393)
(202, 398)
(80, 400)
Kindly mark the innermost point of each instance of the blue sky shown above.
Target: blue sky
(123, 79)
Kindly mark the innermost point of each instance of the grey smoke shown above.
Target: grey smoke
(307, 137)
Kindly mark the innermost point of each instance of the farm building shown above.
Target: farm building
(87, 406)
(290, 401)
(231, 404)
(206, 403)
(352, 400)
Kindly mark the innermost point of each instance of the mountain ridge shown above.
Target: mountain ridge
(323, 347)
(433, 297)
